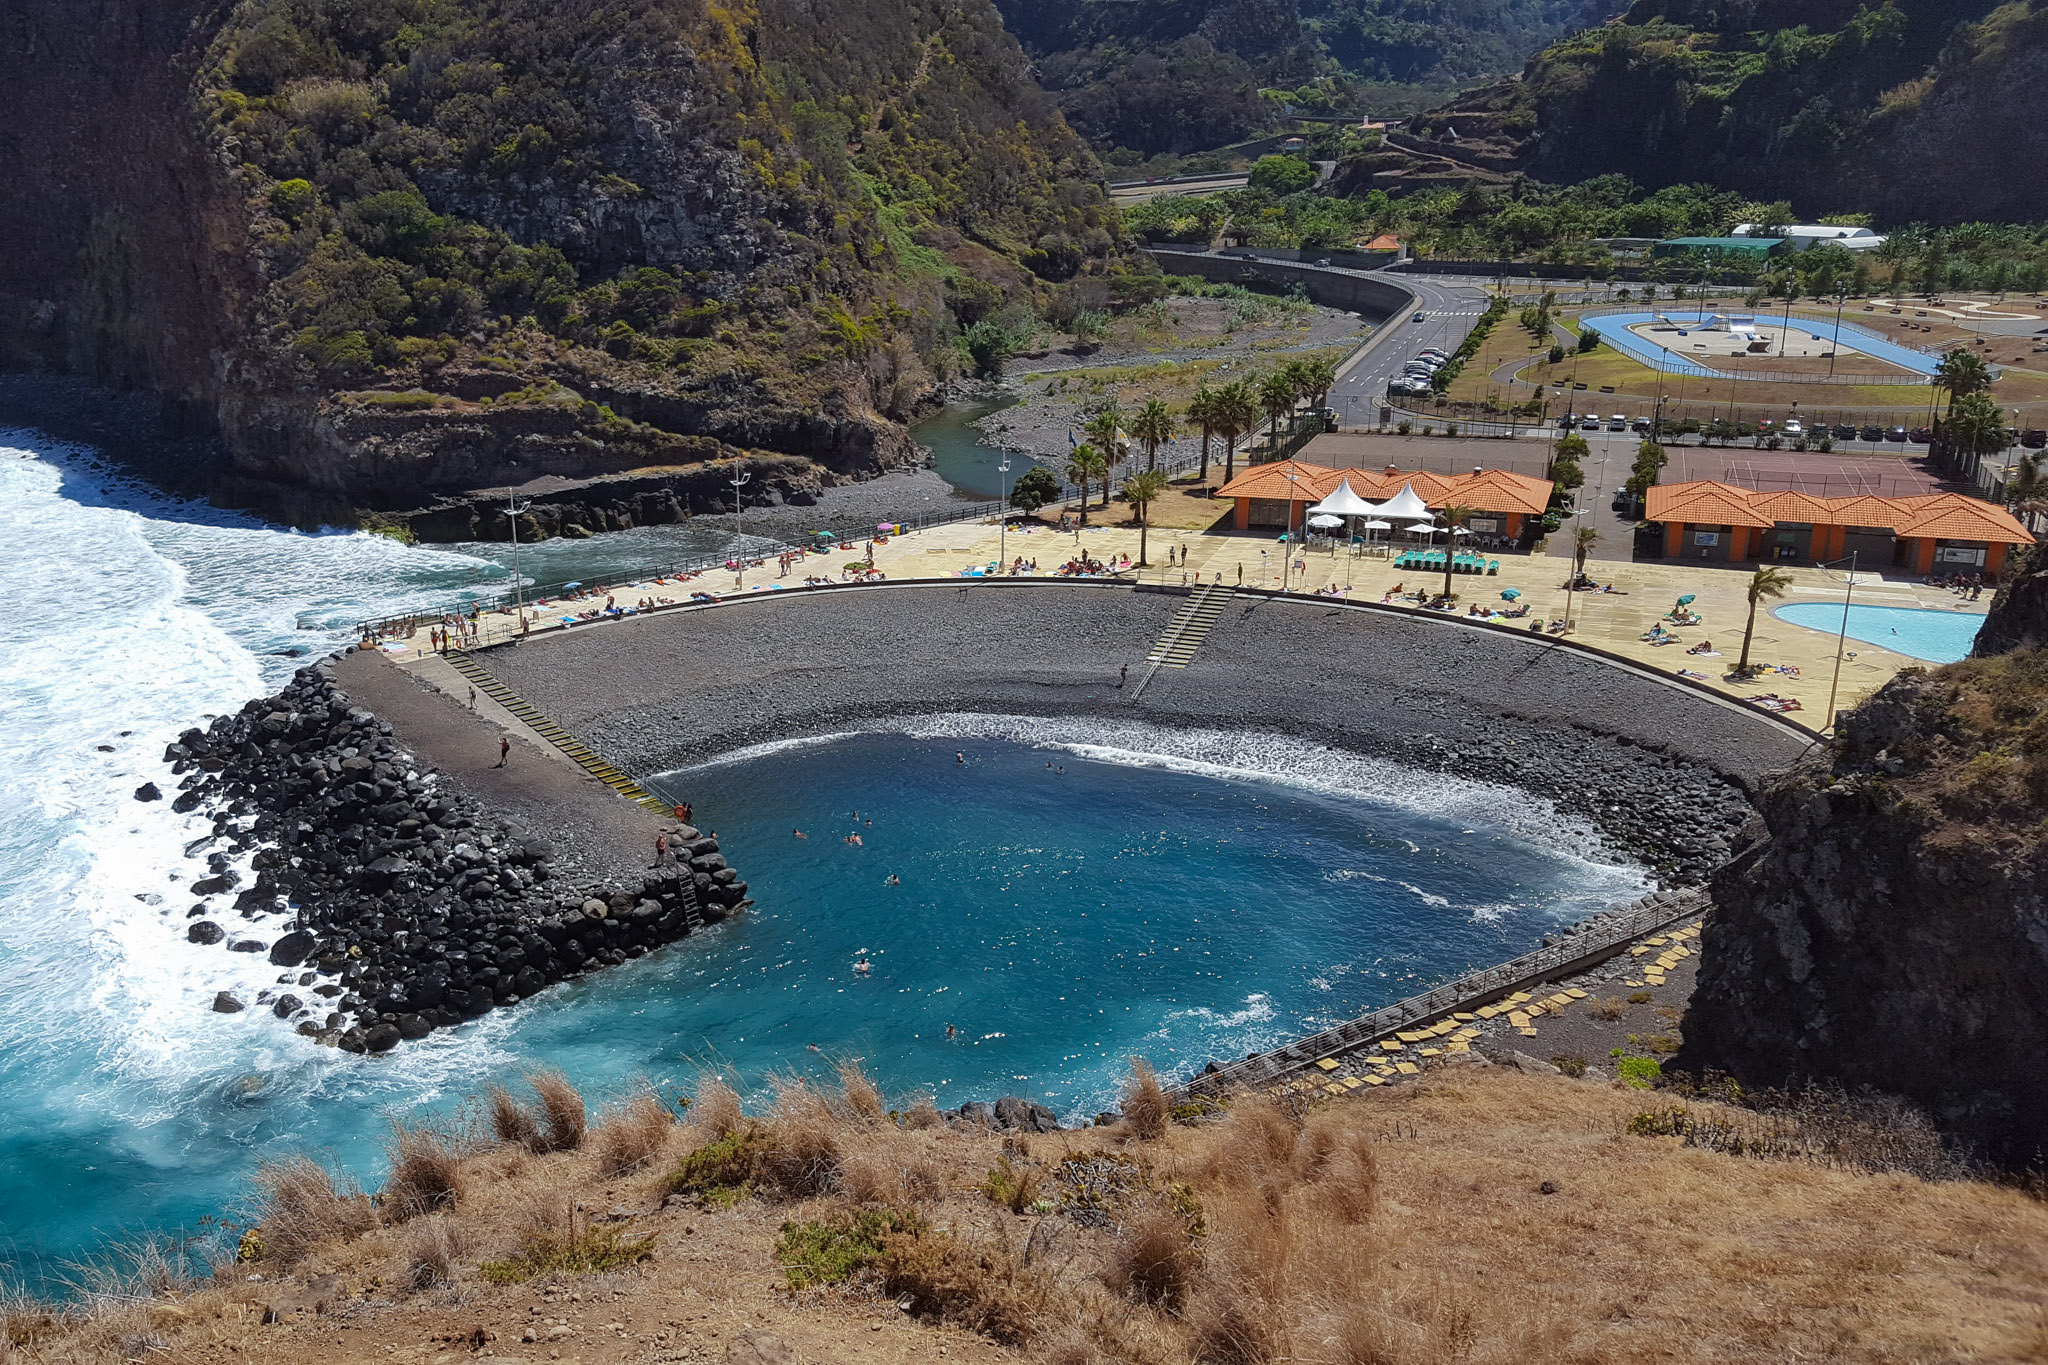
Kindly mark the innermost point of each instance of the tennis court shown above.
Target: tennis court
(1823, 476)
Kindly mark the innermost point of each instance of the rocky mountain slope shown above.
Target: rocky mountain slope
(1892, 930)
(395, 250)
(1182, 75)
(1905, 109)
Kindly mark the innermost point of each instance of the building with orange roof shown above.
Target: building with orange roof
(1278, 495)
(1933, 532)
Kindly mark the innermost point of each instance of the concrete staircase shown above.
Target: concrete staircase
(1190, 626)
(594, 764)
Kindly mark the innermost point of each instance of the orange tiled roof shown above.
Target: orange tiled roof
(1947, 516)
(1488, 490)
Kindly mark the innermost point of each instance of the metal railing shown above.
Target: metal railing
(1571, 953)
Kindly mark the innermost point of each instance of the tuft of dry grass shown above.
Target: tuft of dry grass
(1153, 1259)
(923, 1113)
(629, 1135)
(890, 1169)
(716, 1106)
(802, 1154)
(564, 1119)
(863, 1100)
(1144, 1102)
(434, 1248)
(982, 1286)
(1610, 1009)
(302, 1205)
(513, 1121)
(426, 1172)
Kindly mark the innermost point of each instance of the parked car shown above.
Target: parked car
(2034, 438)
(1567, 422)
(1922, 435)
(1767, 426)
(1870, 433)
(1794, 427)
(1436, 351)
(1624, 501)
(1641, 424)
(1895, 433)
(1322, 260)
(1845, 431)
(1618, 422)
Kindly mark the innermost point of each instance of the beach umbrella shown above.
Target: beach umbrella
(1324, 523)
(1377, 525)
(1510, 594)
(824, 535)
(1461, 531)
(1421, 526)
(1686, 600)
(577, 584)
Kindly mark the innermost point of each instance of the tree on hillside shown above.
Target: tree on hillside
(1153, 425)
(1583, 540)
(1276, 400)
(1237, 412)
(1035, 488)
(1281, 174)
(1140, 491)
(1202, 414)
(1769, 581)
(1085, 463)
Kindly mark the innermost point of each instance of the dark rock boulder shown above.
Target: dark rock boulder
(1012, 1112)
(224, 1003)
(205, 931)
(148, 792)
(2019, 613)
(293, 948)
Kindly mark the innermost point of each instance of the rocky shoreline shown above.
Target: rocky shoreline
(391, 905)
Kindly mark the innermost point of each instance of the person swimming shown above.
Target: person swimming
(894, 880)
(863, 967)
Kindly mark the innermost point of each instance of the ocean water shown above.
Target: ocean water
(1185, 896)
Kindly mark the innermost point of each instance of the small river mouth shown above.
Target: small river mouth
(960, 455)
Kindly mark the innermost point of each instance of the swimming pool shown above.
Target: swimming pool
(1939, 637)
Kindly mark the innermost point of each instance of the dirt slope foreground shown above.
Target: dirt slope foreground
(1482, 1215)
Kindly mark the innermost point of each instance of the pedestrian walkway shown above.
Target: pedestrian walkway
(594, 764)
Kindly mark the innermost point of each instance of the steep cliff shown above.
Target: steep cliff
(1905, 109)
(1891, 929)
(395, 249)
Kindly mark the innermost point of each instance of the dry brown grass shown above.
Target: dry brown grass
(630, 1134)
(802, 1154)
(302, 1205)
(1144, 1102)
(863, 1100)
(433, 1251)
(1154, 1257)
(716, 1106)
(564, 1119)
(513, 1121)
(1610, 1009)
(426, 1172)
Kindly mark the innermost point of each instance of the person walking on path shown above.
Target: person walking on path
(1123, 675)
(660, 848)
(472, 698)
(504, 750)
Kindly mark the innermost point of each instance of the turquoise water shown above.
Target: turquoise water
(1939, 637)
(959, 454)
(1187, 896)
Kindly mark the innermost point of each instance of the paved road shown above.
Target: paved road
(1449, 309)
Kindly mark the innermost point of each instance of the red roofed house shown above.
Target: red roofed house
(1278, 495)
(1723, 523)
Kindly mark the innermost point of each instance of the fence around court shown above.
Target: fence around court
(1572, 953)
(1635, 348)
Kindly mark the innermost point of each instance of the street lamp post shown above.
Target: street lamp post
(1841, 638)
(514, 510)
(1287, 554)
(1003, 513)
(740, 478)
(1841, 300)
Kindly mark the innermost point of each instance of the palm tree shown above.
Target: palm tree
(1153, 425)
(1583, 540)
(1276, 397)
(1106, 429)
(1237, 412)
(1452, 518)
(1085, 462)
(1975, 427)
(1202, 412)
(1318, 377)
(1769, 581)
(1140, 490)
(1960, 374)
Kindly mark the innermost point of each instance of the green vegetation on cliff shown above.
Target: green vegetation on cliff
(1903, 108)
(1153, 76)
(740, 207)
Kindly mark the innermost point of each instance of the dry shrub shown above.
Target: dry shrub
(1153, 1259)
(1069, 1346)
(1014, 1187)
(922, 1113)
(1144, 1102)
(889, 1171)
(1348, 1179)
(433, 1249)
(801, 1156)
(426, 1172)
(631, 1133)
(513, 1121)
(562, 1112)
(1610, 1009)
(25, 1324)
(979, 1286)
(1231, 1325)
(1250, 1146)
(303, 1206)
(863, 1100)
(716, 1106)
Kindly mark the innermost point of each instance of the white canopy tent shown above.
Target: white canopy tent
(1343, 503)
(1403, 506)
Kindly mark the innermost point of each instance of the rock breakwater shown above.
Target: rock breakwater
(392, 905)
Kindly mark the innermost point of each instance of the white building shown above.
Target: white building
(1801, 236)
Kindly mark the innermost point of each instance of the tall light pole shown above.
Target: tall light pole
(1003, 512)
(739, 559)
(1287, 554)
(1841, 637)
(1841, 299)
(514, 510)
